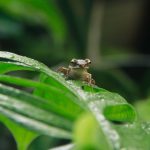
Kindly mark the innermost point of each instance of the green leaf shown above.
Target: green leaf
(95, 105)
(12, 66)
(54, 78)
(64, 147)
(88, 135)
(48, 92)
(96, 102)
(143, 109)
(93, 89)
(103, 104)
(92, 102)
(120, 113)
(67, 104)
(134, 136)
(32, 113)
(22, 136)
(115, 107)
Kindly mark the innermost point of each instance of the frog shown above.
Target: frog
(78, 70)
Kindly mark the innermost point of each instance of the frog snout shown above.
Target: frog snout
(82, 66)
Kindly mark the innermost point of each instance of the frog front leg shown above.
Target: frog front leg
(88, 78)
(64, 71)
(92, 81)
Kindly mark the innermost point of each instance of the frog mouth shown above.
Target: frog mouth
(82, 66)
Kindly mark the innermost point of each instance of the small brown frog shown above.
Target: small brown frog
(77, 70)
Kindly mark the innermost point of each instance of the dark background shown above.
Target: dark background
(114, 34)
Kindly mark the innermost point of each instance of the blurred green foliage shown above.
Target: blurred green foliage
(55, 31)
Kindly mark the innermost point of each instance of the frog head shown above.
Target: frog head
(80, 63)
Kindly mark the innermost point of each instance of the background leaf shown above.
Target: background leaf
(45, 12)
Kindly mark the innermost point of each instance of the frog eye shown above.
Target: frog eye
(73, 61)
(88, 61)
